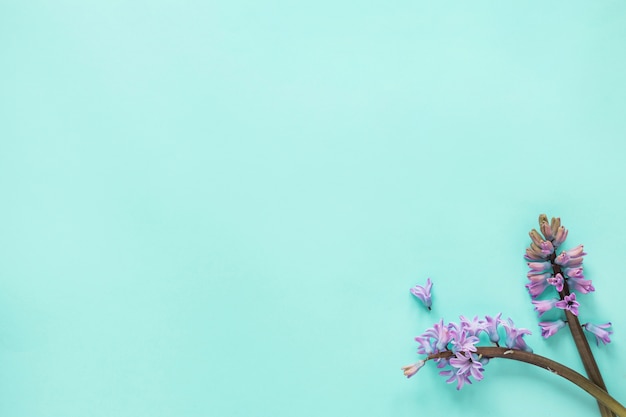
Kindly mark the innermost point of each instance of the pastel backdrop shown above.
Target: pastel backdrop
(217, 208)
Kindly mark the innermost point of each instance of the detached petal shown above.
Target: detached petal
(423, 293)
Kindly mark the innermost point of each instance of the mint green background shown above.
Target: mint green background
(217, 208)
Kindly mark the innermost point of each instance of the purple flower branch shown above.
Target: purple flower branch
(564, 273)
(553, 367)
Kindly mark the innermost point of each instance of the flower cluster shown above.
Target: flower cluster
(459, 341)
(563, 273)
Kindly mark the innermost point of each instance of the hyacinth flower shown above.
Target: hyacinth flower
(423, 293)
(462, 359)
(568, 303)
(543, 306)
(549, 328)
(599, 331)
(454, 347)
(560, 275)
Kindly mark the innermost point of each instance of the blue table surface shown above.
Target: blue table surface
(217, 208)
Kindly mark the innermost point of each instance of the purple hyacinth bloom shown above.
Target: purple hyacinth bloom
(472, 327)
(423, 293)
(463, 342)
(441, 335)
(539, 266)
(491, 327)
(574, 272)
(537, 276)
(557, 281)
(514, 336)
(565, 260)
(581, 285)
(542, 306)
(468, 364)
(536, 288)
(460, 378)
(549, 328)
(546, 248)
(576, 252)
(599, 331)
(569, 303)
(426, 346)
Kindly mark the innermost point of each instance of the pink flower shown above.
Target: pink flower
(569, 303)
(472, 327)
(583, 286)
(576, 252)
(557, 281)
(514, 336)
(536, 288)
(574, 272)
(549, 328)
(468, 364)
(441, 335)
(542, 306)
(565, 260)
(539, 266)
(491, 327)
(460, 378)
(546, 248)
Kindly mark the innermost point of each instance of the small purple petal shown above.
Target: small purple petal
(460, 379)
(468, 364)
(492, 327)
(539, 266)
(573, 272)
(576, 252)
(581, 285)
(565, 260)
(536, 276)
(600, 332)
(557, 281)
(423, 293)
(514, 336)
(546, 248)
(473, 327)
(549, 328)
(542, 306)
(463, 342)
(536, 288)
(441, 335)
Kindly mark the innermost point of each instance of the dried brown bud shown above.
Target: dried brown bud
(536, 238)
(555, 223)
(546, 230)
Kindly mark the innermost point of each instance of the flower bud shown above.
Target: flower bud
(546, 230)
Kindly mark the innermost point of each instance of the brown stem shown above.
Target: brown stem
(556, 368)
(582, 345)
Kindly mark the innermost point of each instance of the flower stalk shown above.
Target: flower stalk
(564, 273)
(582, 345)
(556, 368)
